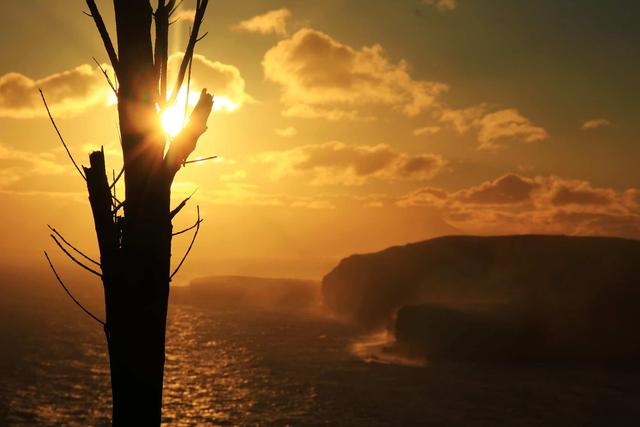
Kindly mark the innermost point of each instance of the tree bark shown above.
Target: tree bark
(135, 248)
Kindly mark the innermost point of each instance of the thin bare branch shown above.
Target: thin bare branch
(161, 54)
(106, 76)
(185, 142)
(202, 37)
(188, 228)
(175, 8)
(182, 204)
(89, 269)
(79, 252)
(64, 144)
(117, 207)
(203, 159)
(104, 34)
(186, 254)
(186, 101)
(69, 293)
(188, 54)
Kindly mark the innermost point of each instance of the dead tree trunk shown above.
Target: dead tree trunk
(135, 236)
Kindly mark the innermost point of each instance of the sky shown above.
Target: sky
(343, 126)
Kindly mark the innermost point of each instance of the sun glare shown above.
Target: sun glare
(173, 118)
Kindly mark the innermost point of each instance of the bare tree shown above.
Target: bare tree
(134, 236)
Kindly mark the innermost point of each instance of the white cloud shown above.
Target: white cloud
(508, 124)
(322, 77)
(68, 92)
(273, 22)
(493, 127)
(223, 80)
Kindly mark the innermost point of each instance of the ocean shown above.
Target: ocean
(253, 367)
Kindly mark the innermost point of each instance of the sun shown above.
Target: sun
(174, 119)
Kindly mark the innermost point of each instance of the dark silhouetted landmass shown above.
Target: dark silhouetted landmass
(507, 297)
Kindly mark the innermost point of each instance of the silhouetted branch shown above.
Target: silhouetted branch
(202, 37)
(64, 144)
(100, 198)
(188, 54)
(117, 178)
(89, 269)
(161, 55)
(175, 8)
(69, 293)
(182, 204)
(73, 247)
(186, 254)
(106, 76)
(117, 207)
(203, 159)
(188, 228)
(104, 34)
(184, 144)
(186, 101)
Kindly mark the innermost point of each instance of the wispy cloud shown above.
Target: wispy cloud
(273, 22)
(442, 5)
(493, 128)
(595, 123)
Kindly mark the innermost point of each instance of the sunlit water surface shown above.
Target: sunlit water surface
(264, 368)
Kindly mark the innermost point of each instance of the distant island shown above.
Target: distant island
(502, 298)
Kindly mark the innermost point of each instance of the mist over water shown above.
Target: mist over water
(275, 365)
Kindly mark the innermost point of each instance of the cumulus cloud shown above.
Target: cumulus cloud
(68, 92)
(320, 74)
(493, 128)
(442, 5)
(595, 123)
(273, 22)
(508, 124)
(518, 204)
(508, 189)
(224, 80)
(287, 132)
(463, 120)
(336, 163)
(18, 165)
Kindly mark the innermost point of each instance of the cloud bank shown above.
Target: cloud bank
(517, 204)
(337, 163)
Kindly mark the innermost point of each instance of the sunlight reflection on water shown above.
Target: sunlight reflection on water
(232, 368)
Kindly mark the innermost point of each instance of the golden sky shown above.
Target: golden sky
(344, 126)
